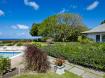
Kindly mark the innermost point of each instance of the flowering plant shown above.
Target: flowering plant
(59, 61)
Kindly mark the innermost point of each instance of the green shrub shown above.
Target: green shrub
(4, 65)
(90, 55)
(83, 39)
(19, 44)
(38, 44)
(2, 44)
(9, 44)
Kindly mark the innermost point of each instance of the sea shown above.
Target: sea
(7, 39)
(14, 39)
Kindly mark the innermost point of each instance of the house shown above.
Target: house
(97, 33)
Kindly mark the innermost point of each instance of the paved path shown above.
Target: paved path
(81, 71)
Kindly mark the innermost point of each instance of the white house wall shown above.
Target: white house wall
(92, 36)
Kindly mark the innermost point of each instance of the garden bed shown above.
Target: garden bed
(89, 55)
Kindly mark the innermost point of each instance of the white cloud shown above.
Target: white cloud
(62, 11)
(32, 4)
(93, 5)
(20, 26)
(1, 13)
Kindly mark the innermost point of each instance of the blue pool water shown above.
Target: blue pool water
(9, 54)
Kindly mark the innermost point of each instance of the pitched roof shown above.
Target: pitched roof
(100, 28)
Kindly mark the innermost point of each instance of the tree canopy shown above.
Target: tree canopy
(103, 22)
(34, 30)
(60, 27)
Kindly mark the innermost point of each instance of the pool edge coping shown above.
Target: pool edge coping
(21, 53)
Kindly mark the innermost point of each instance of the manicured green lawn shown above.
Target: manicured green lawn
(48, 75)
(104, 76)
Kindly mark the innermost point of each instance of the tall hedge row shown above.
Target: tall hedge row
(90, 55)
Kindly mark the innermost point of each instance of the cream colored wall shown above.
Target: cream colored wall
(93, 36)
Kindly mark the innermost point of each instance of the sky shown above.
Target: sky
(17, 16)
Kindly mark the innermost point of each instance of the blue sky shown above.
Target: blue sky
(17, 16)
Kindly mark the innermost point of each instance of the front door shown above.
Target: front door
(97, 38)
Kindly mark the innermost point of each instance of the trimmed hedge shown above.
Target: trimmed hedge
(90, 55)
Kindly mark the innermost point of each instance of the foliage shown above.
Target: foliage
(34, 30)
(9, 44)
(48, 75)
(39, 44)
(60, 27)
(59, 61)
(1, 44)
(5, 65)
(14, 42)
(103, 22)
(90, 55)
(36, 60)
(38, 40)
(85, 40)
(19, 44)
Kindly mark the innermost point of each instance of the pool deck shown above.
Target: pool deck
(16, 60)
(12, 48)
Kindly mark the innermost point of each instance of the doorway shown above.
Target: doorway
(97, 38)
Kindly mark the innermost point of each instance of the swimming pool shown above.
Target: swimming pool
(9, 54)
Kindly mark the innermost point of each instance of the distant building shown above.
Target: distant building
(97, 33)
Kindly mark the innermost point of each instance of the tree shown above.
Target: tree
(103, 22)
(34, 30)
(62, 27)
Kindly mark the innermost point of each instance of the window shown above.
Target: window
(97, 38)
(103, 38)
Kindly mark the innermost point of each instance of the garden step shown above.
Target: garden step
(68, 67)
(100, 73)
(90, 75)
(77, 71)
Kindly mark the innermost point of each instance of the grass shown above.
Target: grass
(104, 76)
(13, 42)
(40, 44)
(48, 75)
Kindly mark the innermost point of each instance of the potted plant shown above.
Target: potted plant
(59, 65)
